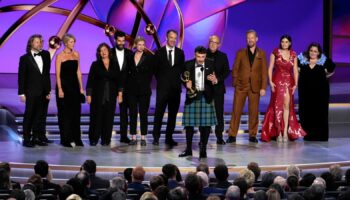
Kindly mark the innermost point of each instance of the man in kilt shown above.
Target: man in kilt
(199, 111)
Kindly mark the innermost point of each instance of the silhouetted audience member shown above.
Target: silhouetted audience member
(336, 172)
(272, 194)
(117, 183)
(138, 175)
(221, 174)
(242, 184)
(193, 184)
(254, 167)
(80, 184)
(260, 195)
(41, 168)
(95, 182)
(233, 193)
(267, 179)
(6, 166)
(203, 167)
(35, 184)
(249, 177)
(293, 170)
(206, 191)
(295, 196)
(148, 196)
(315, 192)
(330, 183)
(292, 183)
(155, 182)
(66, 191)
(279, 189)
(344, 195)
(179, 193)
(17, 194)
(161, 192)
(4, 180)
(119, 195)
(307, 180)
(169, 171)
(127, 174)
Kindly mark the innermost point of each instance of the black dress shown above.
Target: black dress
(313, 89)
(69, 108)
(103, 86)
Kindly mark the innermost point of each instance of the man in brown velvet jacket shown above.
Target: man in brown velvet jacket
(249, 79)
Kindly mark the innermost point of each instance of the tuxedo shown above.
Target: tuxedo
(168, 90)
(138, 85)
(123, 107)
(222, 70)
(34, 83)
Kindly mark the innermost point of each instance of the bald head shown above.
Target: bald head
(214, 43)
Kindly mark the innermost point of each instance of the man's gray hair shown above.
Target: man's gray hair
(233, 193)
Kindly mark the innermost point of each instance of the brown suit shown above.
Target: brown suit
(248, 81)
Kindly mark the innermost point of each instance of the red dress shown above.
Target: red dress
(283, 78)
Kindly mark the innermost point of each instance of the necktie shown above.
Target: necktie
(170, 58)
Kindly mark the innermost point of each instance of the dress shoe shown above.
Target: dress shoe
(47, 140)
(39, 142)
(125, 140)
(253, 139)
(231, 139)
(143, 143)
(79, 143)
(67, 145)
(185, 153)
(171, 142)
(28, 144)
(202, 154)
(155, 142)
(133, 142)
(220, 142)
(93, 143)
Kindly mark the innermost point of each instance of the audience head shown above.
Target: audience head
(138, 174)
(307, 180)
(6, 166)
(272, 194)
(278, 188)
(260, 195)
(4, 179)
(127, 174)
(169, 170)
(84, 178)
(344, 195)
(119, 183)
(204, 178)
(293, 183)
(213, 197)
(221, 172)
(203, 167)
(74, 197)
(77, 185)
(254, 167)
(17, 194)
(178, 193)
(315, 192)
(267, 179)
(233, 193)
(90, 167)
(155, 182)
(336, 172)
(119, 195)
(178, 175)
(148, 196)
(193, 183)
(242, 184)
(66, 191)
(248, 175)
(280, 181)
(41, 168)
(161, 192)
(37, 182)
(293, 170)
(329, 179)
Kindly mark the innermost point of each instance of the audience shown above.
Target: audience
(138, 175)
(161, 192)
(233, 193)
(193, 184)
(243, 186)
(170, 173)
(41, 168)
(272, 194)
(7, 168)
(267, 179)
(336, 172)
(179, 193)
(293, 170)
(127, 174)
(221, 174)
(307, 180)
(292, 184)
(95, 182)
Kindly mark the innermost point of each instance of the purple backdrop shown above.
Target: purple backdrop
(228, 18)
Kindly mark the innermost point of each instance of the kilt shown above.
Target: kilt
(199, 113)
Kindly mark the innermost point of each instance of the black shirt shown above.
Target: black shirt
(251, 56)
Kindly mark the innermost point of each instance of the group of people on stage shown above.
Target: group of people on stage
(120, 75)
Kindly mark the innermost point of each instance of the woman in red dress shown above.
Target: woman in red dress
(280, 120)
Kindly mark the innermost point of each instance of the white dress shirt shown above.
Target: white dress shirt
(199, 77)
(120, 57)
(172, 54)
(39, 61)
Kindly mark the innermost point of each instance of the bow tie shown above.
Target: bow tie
(199, 66)
(37, 54)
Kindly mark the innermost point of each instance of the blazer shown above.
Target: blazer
(124, 70)
(97, 77)
(168, 77)
(221, 68)
(30, 81)
(255, 75)
(208, 86)
(139, 77)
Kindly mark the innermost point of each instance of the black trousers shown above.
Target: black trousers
(139, 104)
(219, 109)
(35, 117)
(69, 112)
(101, 123)
(204, 136)
(123, 114)
(172, 101)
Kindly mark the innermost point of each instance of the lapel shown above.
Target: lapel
(143, 57)
(257, 56)
(31, 58)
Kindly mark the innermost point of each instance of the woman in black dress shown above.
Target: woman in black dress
(103, 87)
(315, 69)
(69, 91)
(138, 89)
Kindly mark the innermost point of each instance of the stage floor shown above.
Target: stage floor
(239, 154)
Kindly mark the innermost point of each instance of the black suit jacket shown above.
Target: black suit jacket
(98, 183)
(98, 75)
(221, 68)
(30, 81)
(139, 76)
(168, 77)
(208, 86)
(124, 70)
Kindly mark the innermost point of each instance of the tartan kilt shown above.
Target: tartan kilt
(199, 113)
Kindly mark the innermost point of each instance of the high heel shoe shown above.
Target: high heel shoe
(285, 139)
(279, 139)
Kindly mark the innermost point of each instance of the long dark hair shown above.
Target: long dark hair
(289, 38)
(98, 51)
(313, 44)
(30, 41)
